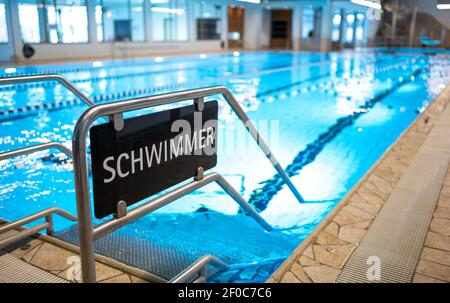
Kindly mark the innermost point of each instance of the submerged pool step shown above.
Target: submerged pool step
(161, 261)
(165, 244)
(247, 273)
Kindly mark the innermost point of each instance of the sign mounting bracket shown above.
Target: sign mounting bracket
(118, 122)
(199, 174)
(121, 209)
(199, 104)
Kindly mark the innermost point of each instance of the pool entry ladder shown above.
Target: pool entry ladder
(114, 112)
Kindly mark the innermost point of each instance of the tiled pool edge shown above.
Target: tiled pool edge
(321, 256)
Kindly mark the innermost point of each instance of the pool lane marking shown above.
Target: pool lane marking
(135, 63)
(31, 110)
(338, 73)
(24, 86)
(261, 197)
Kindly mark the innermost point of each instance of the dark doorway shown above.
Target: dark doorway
(235, 27)
(281, 28)
(122, 30)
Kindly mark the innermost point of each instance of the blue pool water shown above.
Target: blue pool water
(328, 118)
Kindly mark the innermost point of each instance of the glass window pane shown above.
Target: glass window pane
(52, 27)
(3, 28)
(99, 22)
(169, 20)
(307, 23)
(121, 20)
(360, 27)
(31, 20)
(335, 33)
(67, 21)
(137, 20)
(349, 31)
(208, 20)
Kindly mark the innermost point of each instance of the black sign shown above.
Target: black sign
(150, 154)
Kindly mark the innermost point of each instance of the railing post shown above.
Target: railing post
(81, 178)
(49, 220)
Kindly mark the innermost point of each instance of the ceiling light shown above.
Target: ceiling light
(371, 4)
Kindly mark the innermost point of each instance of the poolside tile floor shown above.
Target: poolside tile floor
(59, 261)
(434, 263)
(321, 257)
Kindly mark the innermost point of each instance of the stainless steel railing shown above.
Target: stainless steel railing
(115, 223)
(196, 272)
(35, 148)
(47, 213)
(48, 77)
(87, 232)
(23, 234)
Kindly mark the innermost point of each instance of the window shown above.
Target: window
(169, 20)
(349, 31)
(208, 20)
(359, 34)
(99, 22)
(53, 21)
(67, 21)
(3, 28)
(138, 21)
(120, 20)
(308, 23)
(31, 18)
(336, 27)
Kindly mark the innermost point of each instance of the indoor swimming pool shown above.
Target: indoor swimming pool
(327, 117)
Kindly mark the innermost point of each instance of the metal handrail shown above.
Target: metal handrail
(199, 268)
(48, 77)
(87, 233)
(113, 224)
(35, 148)
(116, 108)
(48, 225)
(47, 213)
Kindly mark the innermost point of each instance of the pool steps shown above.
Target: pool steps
(197, 269)
(255, 272)
(194, 272)
(123, 218)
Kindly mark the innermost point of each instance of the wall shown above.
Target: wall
(371, 23)
(430, 7)
(261, 31)
(94, 49)
(51, 52)
(7, 49)
(257, 25)
(253, 23)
